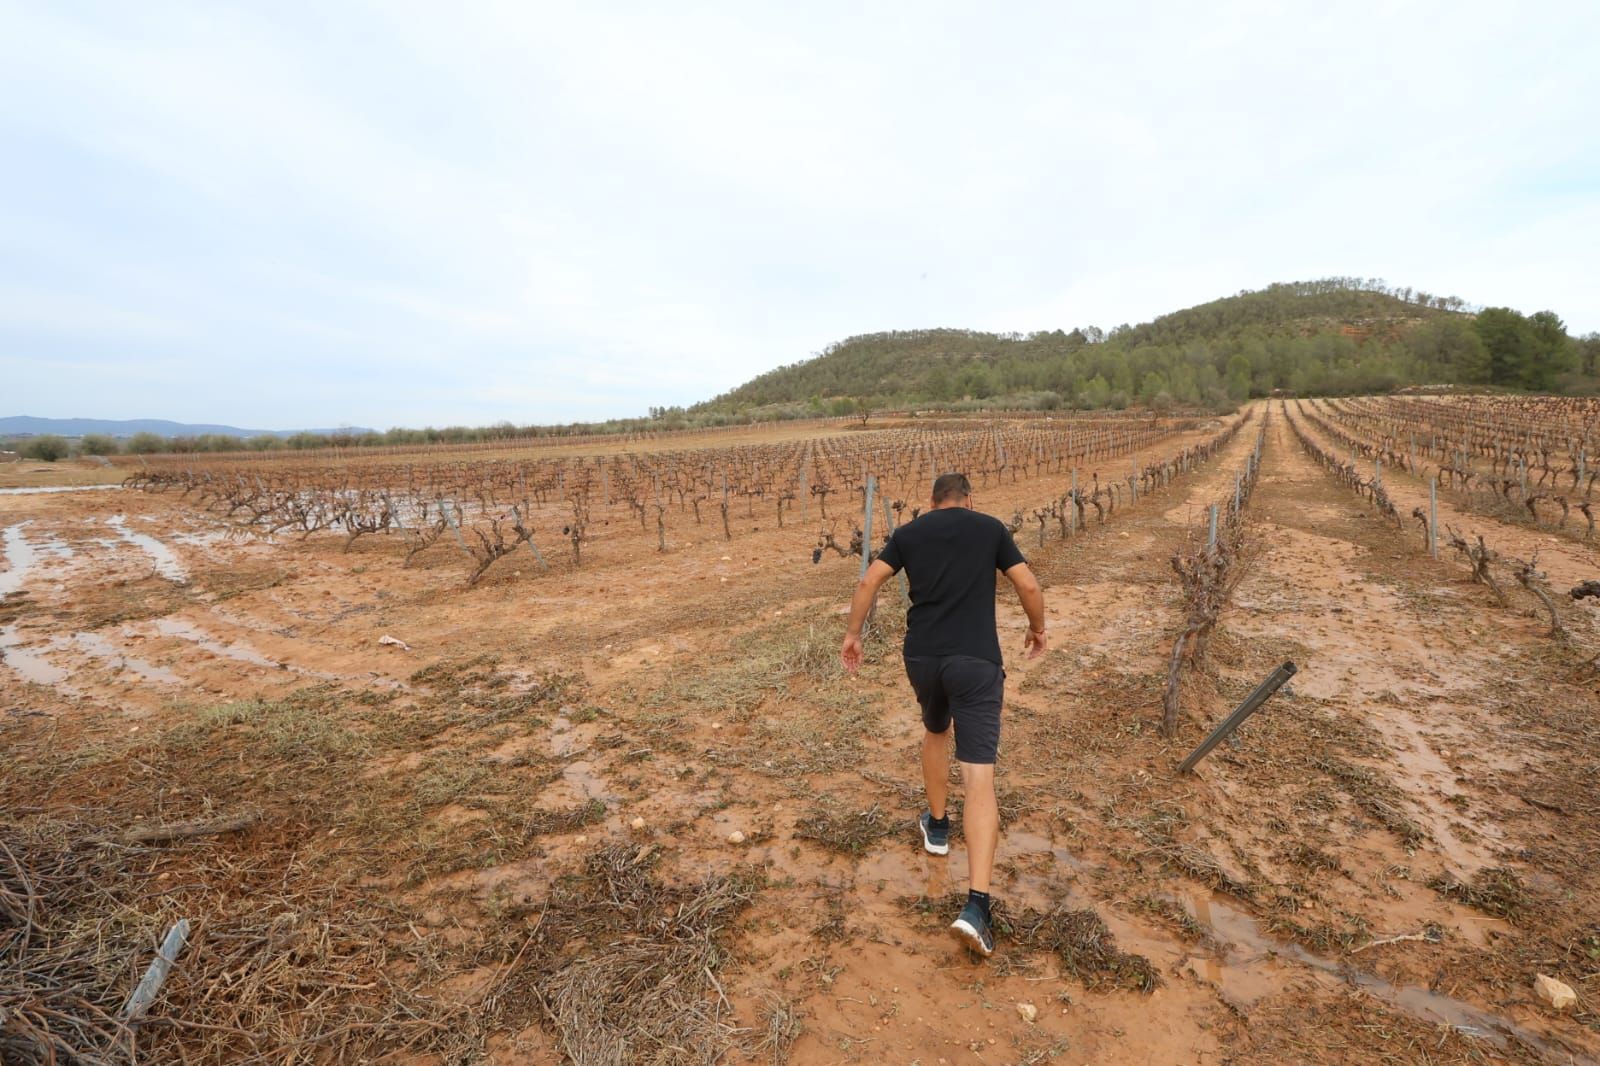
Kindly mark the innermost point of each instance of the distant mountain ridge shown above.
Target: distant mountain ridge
(27, 425)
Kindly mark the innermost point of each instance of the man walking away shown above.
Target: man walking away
(952, 657)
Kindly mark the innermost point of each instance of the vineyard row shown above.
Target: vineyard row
(491, 509)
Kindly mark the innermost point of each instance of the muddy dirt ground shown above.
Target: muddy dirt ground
(509, 838)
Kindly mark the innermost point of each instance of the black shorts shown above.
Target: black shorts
(967, 689)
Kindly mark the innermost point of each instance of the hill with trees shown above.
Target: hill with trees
(1335, 335)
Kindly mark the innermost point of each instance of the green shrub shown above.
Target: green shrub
(146, 444)
(47, 447)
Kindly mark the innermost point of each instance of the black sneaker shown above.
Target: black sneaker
(935, 839)
(972, 927)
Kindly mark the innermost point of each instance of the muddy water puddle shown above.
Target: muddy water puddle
(1428, 782)
(57, 549)
(582, 778)
(243, 652)
(205, 538)
(1255, 966)
(193, 634)
(165, 559)
(579, 775)
(98, 647)
(563, 740)
(21, 556)
(42, 490)
(30, 665)
(1035, 873)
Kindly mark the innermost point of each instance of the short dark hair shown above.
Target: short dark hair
(951, 487)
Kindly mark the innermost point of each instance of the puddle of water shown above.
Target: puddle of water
(167, 564)
(31, 666)
(244, 653)
(580, 776)
(1042, 877)
(20, 557)
(239, 651)
(101, 648)
(1015, 843)
(41, 489)
(1044, 873)
(1252, 970)
(57, 549)
(904, 872)
(1427, 775)
(203, 538)
(562, 738)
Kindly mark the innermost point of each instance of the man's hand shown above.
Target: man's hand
(850, 654)
(1032, 597)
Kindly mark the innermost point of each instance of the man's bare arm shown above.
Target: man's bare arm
(860, 604)
(1032, 597)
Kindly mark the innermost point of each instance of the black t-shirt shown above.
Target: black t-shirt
(951, 555)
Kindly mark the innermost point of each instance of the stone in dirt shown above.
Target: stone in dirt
(736, 837)
(1028, 1012)
(396, 641)
(637, 824)
(1558, 994)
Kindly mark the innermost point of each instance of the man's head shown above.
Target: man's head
(952, 490)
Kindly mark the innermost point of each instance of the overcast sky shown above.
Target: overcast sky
(280, 215)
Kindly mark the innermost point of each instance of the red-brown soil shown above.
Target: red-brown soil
(446, 845)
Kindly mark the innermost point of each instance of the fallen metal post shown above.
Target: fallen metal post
(1251, 704)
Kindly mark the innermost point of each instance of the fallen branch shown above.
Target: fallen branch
(162, 834)
(1427, 936)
